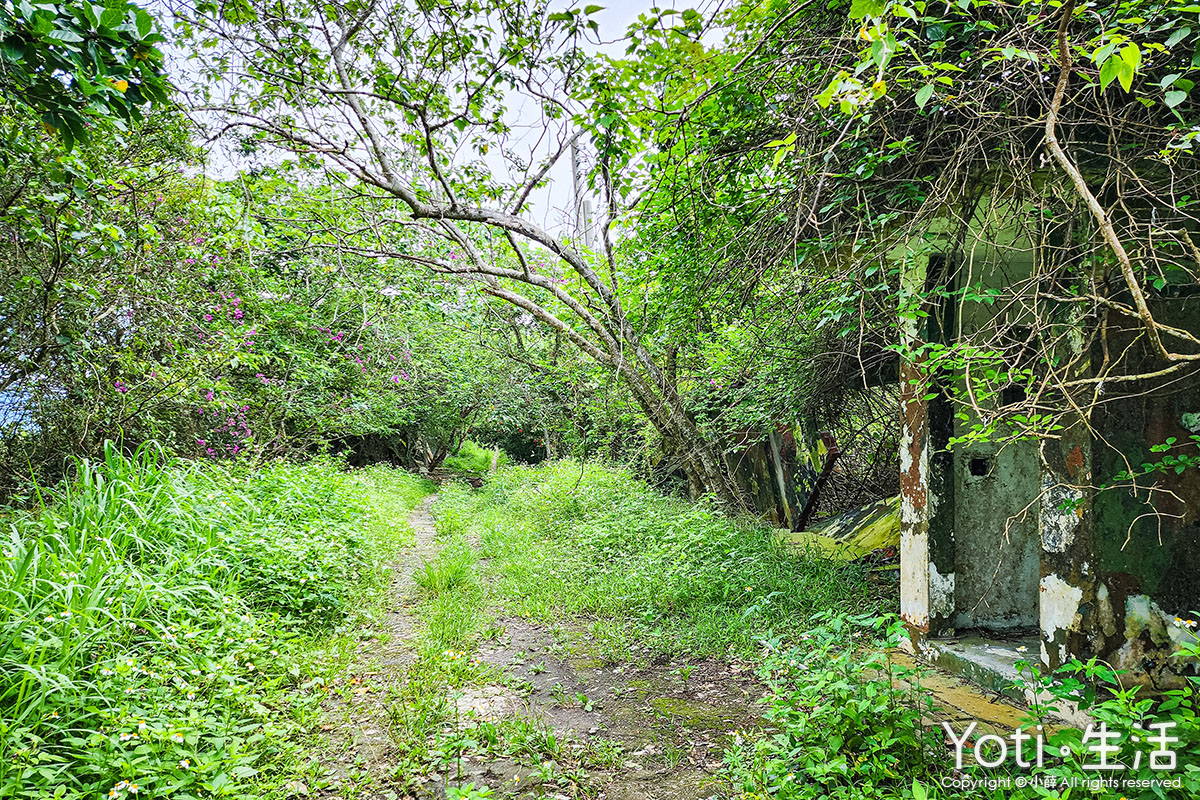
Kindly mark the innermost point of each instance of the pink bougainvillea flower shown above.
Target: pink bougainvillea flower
(208, 317)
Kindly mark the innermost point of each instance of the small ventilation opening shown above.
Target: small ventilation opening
(978, 466)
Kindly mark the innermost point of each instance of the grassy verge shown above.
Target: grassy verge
(594, 543)
(157, 622)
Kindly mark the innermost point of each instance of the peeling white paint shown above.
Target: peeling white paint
(941, 592)
(1058, 525)
(1059, 605)
(914, 578)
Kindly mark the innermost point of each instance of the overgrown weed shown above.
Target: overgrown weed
(594, 542)
(158, 621)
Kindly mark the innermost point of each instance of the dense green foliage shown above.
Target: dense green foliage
(474, 460)
(791, 201)
(146, 303)
(74, 63)
(851, 723)
(157, 621)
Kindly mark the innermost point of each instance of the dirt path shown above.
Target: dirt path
(624, 731)
(638, 730)
(359, 752)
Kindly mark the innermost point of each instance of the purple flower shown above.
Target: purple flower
(208, 317)
(120, 387)
(200, 443)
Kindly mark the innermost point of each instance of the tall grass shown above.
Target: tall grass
(155, 619)
(594, 542)
(474, 459)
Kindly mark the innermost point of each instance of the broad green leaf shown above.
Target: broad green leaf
(145, 23)
(860, 9)
(1124, 74)
(1102, 54)
(1174, 98)
(923, 95)
(1108, 72)
(1131, 54)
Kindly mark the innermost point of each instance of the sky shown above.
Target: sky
(552, 207)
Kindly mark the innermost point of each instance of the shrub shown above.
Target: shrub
(473, 459)
(841, 727)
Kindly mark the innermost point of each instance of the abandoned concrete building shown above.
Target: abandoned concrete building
(1045, 547)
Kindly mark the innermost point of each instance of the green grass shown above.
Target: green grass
(452, 614)
(473, 459)
(595, 544)
(451, 568)
(158, 621)
(598, 549)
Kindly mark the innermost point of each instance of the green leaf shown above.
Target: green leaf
(860, 9)
(1108, 72)
(145, 22)
(12, 49)
(1178, 36)
(1102, 54)
(1125, 75)
(1174, 98)
(1131, 54)
(592, 9)
(923, 95)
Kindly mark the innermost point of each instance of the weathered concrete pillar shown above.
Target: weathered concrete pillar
(1070, 618)
(926, 533)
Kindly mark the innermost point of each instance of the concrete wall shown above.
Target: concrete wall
(1026, 535)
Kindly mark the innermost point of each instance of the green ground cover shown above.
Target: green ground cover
(164, 625)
